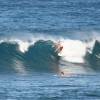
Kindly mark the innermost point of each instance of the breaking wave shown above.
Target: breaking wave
(38, 56)
(41, 55)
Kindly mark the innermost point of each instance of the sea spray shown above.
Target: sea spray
(39, 54)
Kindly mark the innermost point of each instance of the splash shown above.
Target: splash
(73, 50)
(39, 53)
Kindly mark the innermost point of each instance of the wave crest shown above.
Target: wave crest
(41, 55)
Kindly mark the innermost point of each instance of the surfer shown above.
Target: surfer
(62, 73)
(58, 47)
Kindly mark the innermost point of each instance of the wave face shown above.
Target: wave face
(94, 57)
(41, 55)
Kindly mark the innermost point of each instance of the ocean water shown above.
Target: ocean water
(49, 87)
(32, 67)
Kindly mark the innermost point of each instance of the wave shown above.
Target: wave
(22, 56)
(40, 56)
(93, 57)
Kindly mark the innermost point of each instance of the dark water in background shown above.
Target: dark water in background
(58, 17)
(21, 19)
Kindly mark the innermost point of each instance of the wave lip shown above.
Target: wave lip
(41, 55)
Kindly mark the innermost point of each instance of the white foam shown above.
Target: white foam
(73, 50)
(23, 46)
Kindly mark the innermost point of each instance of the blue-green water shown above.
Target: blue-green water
(30, 63)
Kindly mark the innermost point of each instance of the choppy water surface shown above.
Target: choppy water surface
(49, 87)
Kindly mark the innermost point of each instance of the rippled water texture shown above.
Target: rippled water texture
(50, 87)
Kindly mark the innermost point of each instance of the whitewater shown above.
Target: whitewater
(37, 51)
